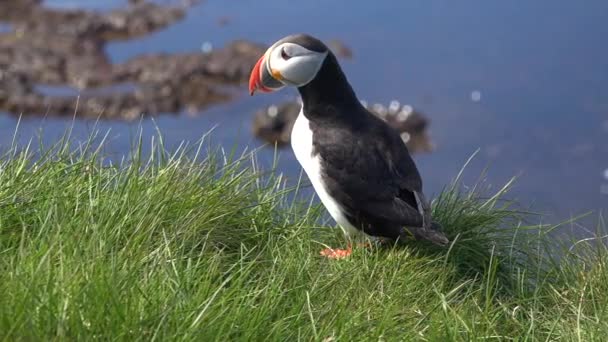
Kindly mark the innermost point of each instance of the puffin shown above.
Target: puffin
(359, 166)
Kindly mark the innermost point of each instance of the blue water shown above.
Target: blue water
(541, 68)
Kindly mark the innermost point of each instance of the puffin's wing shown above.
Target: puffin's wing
(376, 177)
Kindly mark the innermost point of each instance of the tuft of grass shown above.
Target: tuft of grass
(198, 244)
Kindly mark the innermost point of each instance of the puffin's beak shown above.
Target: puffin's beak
(255, 77)
(263, 79)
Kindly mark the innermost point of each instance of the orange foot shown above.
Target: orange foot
(336, 253)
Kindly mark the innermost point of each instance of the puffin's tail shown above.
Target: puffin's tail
(432, 234)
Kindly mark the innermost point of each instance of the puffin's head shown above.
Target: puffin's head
(292, 61)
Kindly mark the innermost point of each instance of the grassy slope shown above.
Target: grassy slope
(172, 248)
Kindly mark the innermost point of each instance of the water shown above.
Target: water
(524, 82)
(89, 4)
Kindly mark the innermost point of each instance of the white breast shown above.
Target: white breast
(301, 142)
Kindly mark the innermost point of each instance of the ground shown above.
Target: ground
(176, 248)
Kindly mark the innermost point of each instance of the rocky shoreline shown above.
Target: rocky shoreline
(66, 48)
(52, 47)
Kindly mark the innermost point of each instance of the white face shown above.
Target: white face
(293, 64)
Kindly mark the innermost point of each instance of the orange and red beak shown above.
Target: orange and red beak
(255, 79)
(263, 79)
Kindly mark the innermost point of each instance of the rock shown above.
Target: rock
(230, 65)
(31, 18)
(45, 46)
(223, 21)
(67, 48)
(340, 49)
(274, 123)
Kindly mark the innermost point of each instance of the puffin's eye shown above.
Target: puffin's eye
(284, 54)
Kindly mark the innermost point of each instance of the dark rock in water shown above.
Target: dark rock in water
(31, 18)
(274, 123)
(223, 21)
(411, 123)
(230, 65)
(18, 95)
(67, 48)
(340, 49)
(45, 46)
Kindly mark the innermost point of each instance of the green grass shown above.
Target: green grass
(183, 247)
